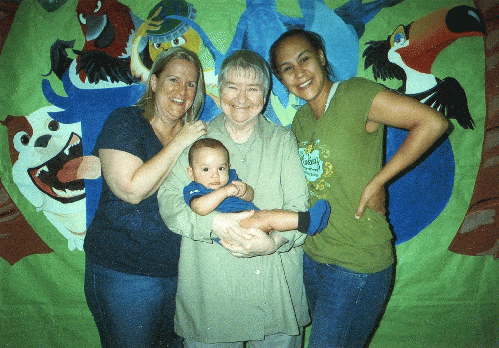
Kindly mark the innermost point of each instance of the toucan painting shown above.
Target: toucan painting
(408, 54)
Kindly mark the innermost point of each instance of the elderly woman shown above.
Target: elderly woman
(131, 255)
(250, 287)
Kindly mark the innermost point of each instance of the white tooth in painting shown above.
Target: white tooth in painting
(44, 168)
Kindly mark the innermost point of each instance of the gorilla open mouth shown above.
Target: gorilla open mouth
(45, 175)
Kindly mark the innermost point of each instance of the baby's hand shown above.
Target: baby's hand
(241, 188)
(231, 189)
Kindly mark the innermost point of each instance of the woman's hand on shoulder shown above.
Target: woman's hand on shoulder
(189, 133)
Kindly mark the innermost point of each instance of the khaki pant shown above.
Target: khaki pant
(272, 341)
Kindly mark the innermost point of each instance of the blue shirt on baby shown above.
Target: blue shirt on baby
(229, 205)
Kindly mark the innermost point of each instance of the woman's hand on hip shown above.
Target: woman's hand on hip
(372, 197)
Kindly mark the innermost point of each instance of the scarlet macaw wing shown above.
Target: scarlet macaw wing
(99, 66)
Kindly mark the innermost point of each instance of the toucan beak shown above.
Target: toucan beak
(429, 35)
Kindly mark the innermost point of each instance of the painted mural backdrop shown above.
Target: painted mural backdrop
(65, 65)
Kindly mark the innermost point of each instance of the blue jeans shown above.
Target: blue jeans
(131, 310)
(345, 305)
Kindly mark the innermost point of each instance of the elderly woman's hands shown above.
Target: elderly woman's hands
(242, 242)
(252, 242)
(223, 221)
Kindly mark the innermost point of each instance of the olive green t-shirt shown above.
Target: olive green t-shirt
(339, 158)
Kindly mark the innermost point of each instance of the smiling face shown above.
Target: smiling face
(174, 89)
(301, 69)
(210, 167)
(242, 96)
(46, 157)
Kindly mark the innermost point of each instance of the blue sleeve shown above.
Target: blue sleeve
(194, 190)
(123, 131)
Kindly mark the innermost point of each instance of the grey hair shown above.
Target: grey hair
(148, 100)
(246, 60)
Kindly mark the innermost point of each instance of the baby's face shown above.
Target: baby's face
(210, 168)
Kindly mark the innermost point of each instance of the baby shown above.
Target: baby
(215, 186)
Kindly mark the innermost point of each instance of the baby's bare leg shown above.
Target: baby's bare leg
(269, 220)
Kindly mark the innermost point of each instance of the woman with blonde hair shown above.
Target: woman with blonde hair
(131, 255)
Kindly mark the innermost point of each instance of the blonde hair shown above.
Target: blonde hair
(148, 100)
